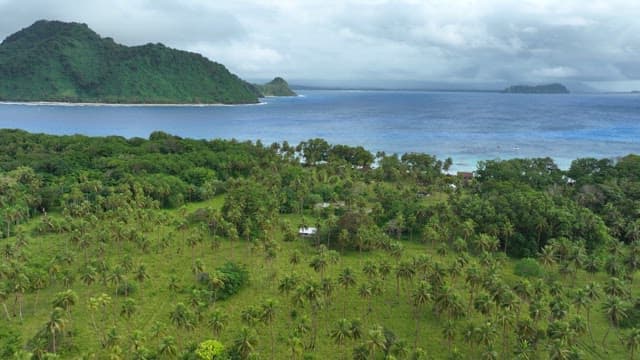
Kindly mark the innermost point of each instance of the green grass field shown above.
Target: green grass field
(393, 310)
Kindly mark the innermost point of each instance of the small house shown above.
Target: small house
(307, 231)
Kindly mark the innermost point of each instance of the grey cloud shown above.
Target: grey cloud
(465, 41)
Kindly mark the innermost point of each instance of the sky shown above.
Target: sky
(405, 43)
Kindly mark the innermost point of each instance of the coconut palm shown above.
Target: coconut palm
(267, 316)
(404, 273)
(346, 279)
(250, 316)
(65, 300)
(287, 284)
(319, 264)
(88, 275)
(296, 347)
(419, 298)
(616, 287)
(449, 333)
(447, 301)
(376, 341)
(384, 269)
(615, 310)
(364, 291)
(182, 317)
(167, 348)
(370, 269)
(141, 275)
(128, 308)
(245, 343)
(55, 326)
(632, 342)
(295, 257)
(217, 322)
(216, 283)
(340, 333)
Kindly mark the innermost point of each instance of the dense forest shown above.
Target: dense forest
(163, 248)
(58, 61)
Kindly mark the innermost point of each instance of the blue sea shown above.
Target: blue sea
(465, 126)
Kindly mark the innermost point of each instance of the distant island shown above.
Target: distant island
(276, 87)
(68, 62)
(537, 89)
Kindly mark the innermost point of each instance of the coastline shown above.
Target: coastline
(99, 104)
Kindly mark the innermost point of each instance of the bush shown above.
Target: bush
(234, 276)
(126, 289)
(210, 350)
(528, 268)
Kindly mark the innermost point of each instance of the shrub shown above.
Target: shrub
(528, 268)
(234, 276)
(210, 350)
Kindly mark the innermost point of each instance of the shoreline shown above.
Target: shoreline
(99, 104)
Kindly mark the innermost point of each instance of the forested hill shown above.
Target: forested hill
(276, 87)
(57, 61)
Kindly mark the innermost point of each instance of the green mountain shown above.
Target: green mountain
(57, 61)
(276, 87)
(539, 89)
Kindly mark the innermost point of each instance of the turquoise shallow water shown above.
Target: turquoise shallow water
(465, 126)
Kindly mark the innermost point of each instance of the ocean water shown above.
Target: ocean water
(467, 127)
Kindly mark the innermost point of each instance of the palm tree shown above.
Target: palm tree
(88, 276)
(167, 348)
(365, 293)
(287, 284)
(346, 279)
(384, 269)
(128, 308)
(182, 317)
(216, 283)
(449, 333)
(116, 277)
(616, 287)
(141, 275)
(173, 284)
(20, 285)
(404, 273)
(294, 258)
(448, 302)
(312, 294)
(615, 310)
(38, 282)
(632, 341)
(267, 316)
(295, 346)
(245, 343)
(65, 300)
(3, 299)
(591, 292)
(486, 334)
(319, 264)
(370, 269)
(420, 297)
(376, 341)
(55, 326)
(341, 333)
(250, 316)
(217, 322)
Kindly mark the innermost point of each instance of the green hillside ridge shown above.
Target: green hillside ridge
(58, 61)
(537, 89)
(276, 87)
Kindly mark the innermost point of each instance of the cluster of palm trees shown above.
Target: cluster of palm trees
(463, 289)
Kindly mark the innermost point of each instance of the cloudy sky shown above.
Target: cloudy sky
(482, 43)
